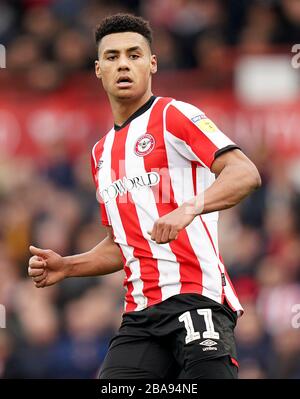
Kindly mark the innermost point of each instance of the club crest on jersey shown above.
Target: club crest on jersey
(144, 145)
(204, 124)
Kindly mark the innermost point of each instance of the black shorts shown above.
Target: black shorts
(185, 336)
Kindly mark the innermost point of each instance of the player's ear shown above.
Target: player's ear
(153, 66)
(97, 69)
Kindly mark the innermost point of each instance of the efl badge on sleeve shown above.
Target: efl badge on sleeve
(204, 124)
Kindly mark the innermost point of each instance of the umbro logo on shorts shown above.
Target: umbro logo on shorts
(208, 342)
(209, 345)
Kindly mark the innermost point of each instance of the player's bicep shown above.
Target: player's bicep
(235, 158)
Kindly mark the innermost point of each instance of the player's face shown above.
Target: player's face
(125, 65)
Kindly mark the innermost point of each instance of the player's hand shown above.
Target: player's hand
(46, 267)
(167, 228)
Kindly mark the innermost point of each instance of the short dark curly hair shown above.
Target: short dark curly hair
(123, 23)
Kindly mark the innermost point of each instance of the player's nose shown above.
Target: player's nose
(123, 64)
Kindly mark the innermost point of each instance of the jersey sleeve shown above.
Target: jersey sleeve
(103, 211)
(194, 135)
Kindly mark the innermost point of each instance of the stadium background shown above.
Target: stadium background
(231, 58)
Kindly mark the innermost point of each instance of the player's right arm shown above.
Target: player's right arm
(47, 267)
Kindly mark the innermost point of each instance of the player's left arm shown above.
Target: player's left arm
(198, 139)
(237, 177)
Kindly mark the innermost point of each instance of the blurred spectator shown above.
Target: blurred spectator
(5, 351)
(24, 53)
(45, 76)
(287, 349)
(72, 50)
(288, 32)
(38, 321)
(87, 324)
(210, 54)
(254, 346)
(258, 32)
(8, 17)
(42, 23)
(165, 50)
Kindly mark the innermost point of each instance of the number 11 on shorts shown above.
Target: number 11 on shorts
(193, 335)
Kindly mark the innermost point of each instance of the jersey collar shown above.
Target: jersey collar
(137, 113)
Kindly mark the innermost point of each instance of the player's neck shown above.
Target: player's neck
(124, 108)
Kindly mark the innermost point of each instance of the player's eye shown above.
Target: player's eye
(134, 56)
(111, 57)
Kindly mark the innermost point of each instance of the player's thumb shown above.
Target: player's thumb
(38, 251)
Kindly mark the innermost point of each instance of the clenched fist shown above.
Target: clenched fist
(167, 228)
(46, 267)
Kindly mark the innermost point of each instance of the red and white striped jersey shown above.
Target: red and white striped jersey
(160, 158)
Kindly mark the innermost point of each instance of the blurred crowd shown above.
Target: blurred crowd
(64, 331)
(49, 40)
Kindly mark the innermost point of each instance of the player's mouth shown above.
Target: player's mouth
(124, 82)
